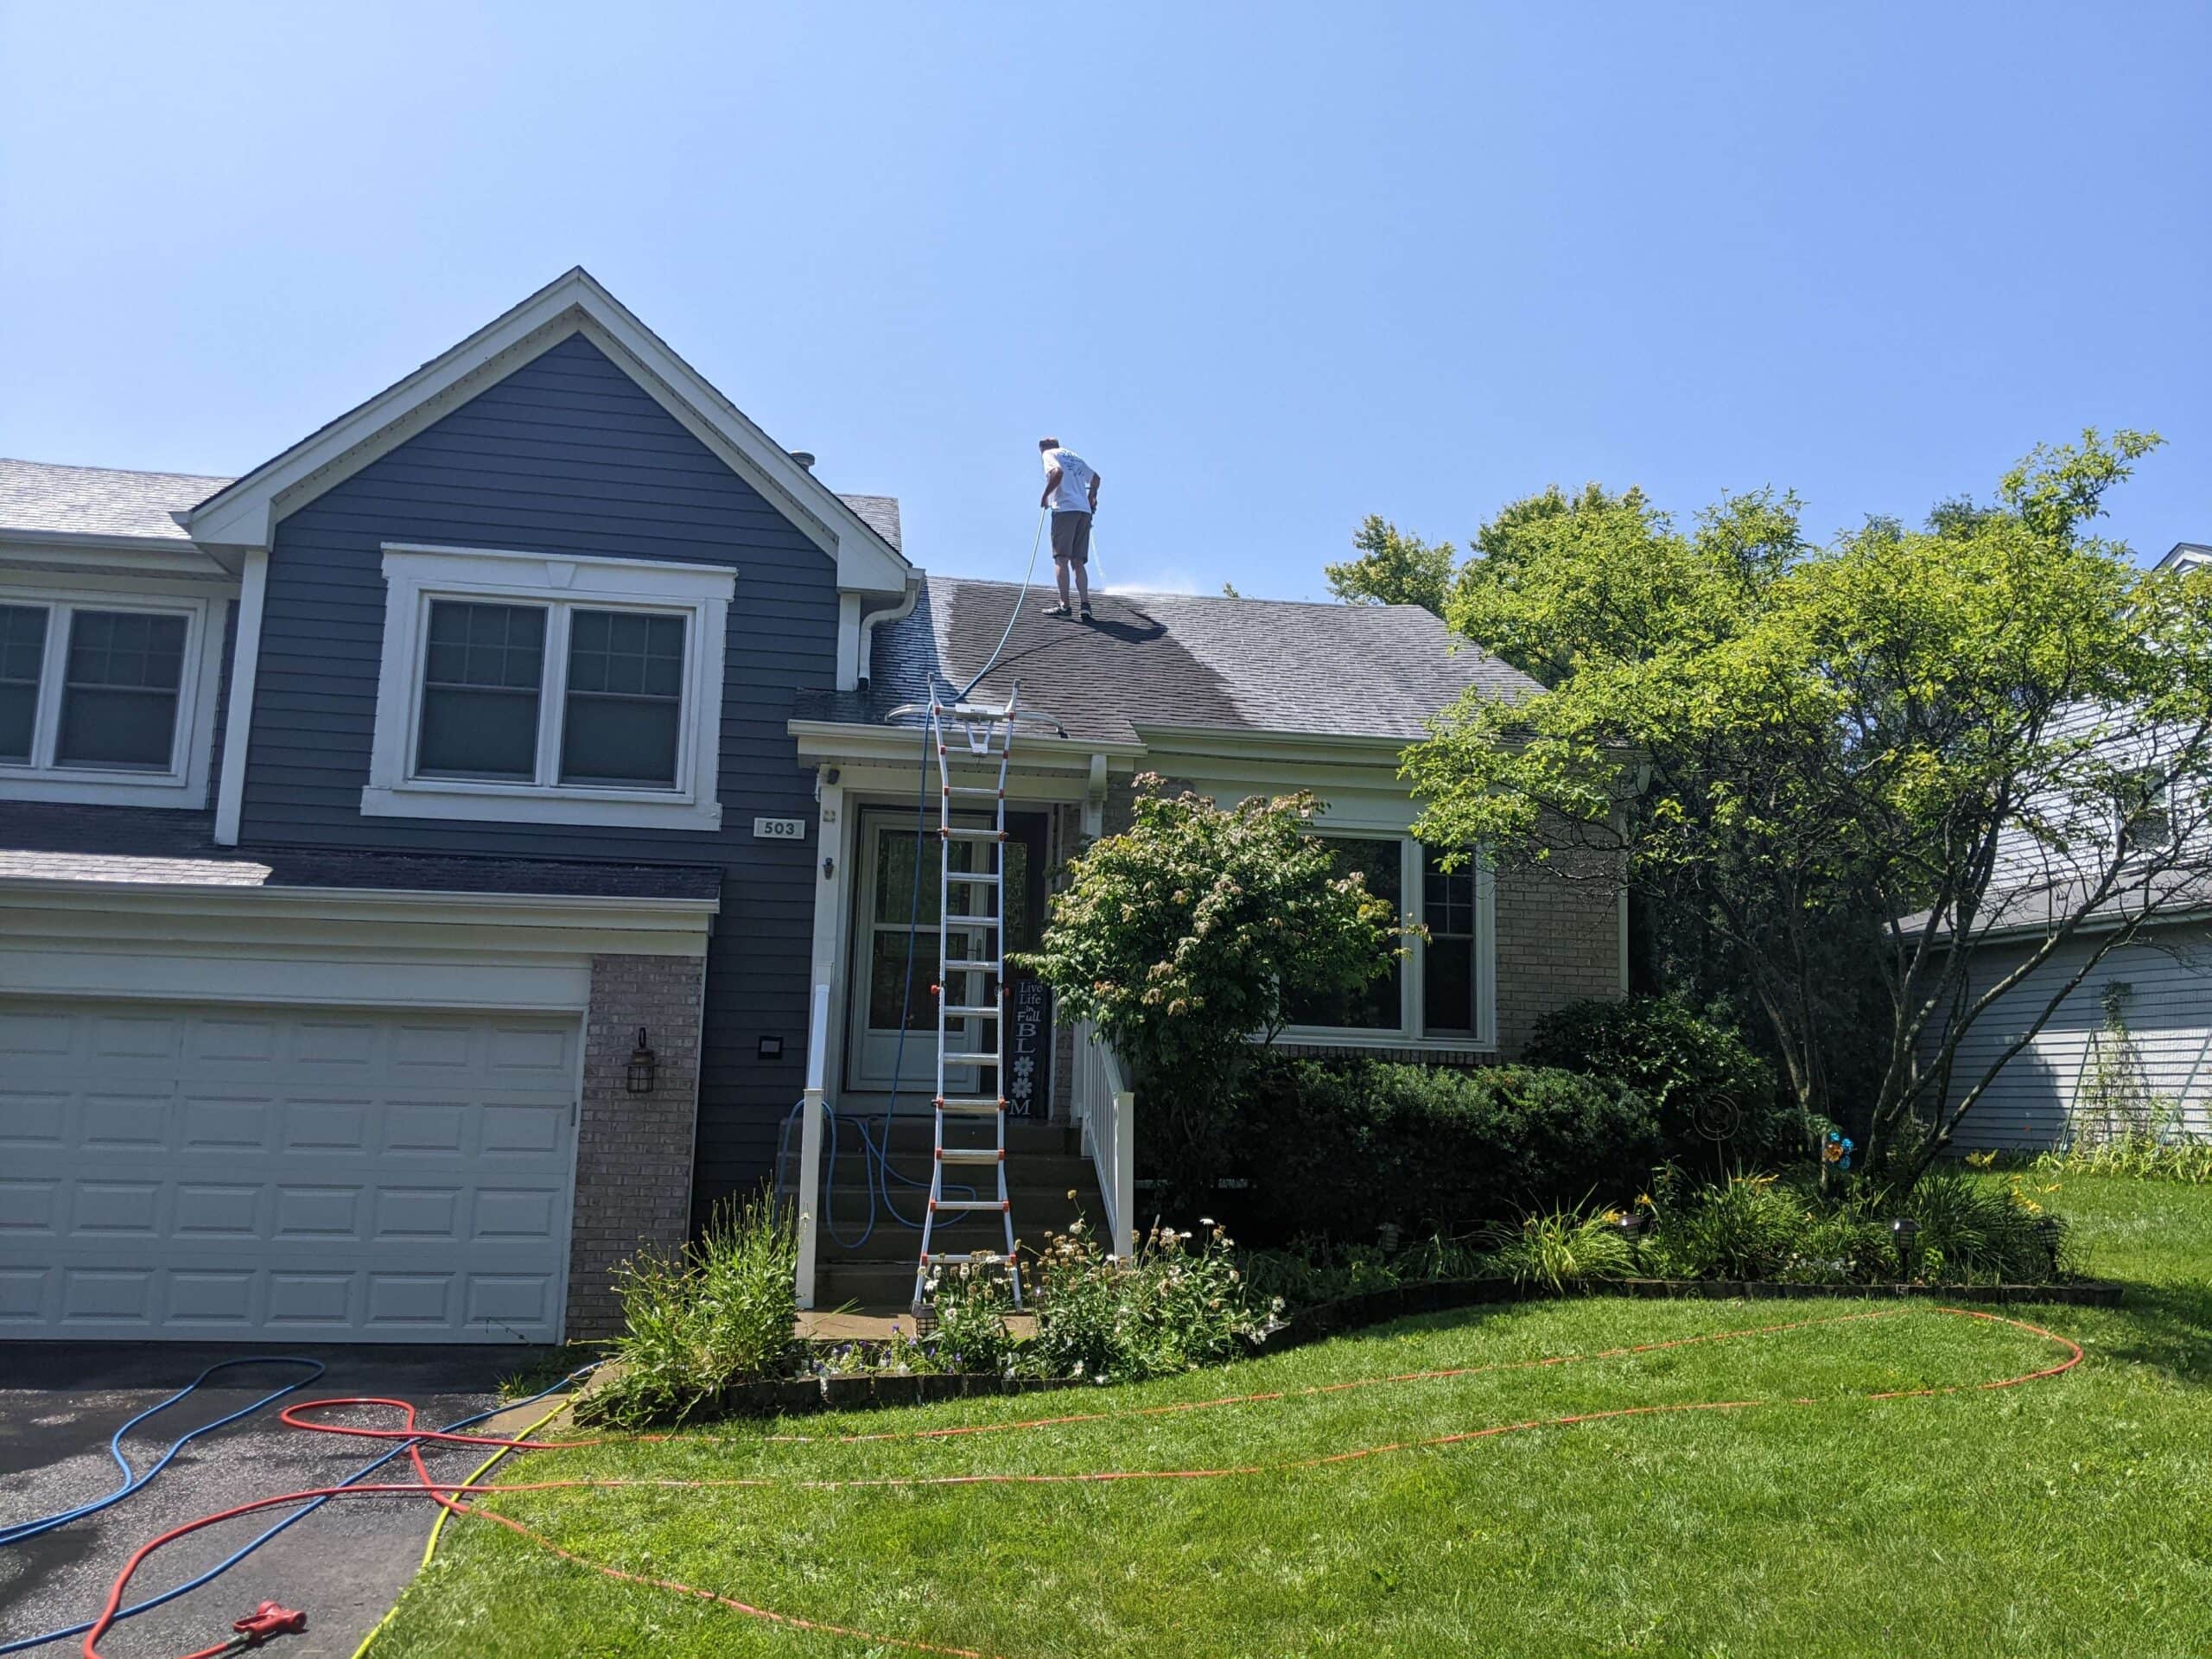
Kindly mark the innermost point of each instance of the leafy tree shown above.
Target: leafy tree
(1393, 569)
(1187, 935)
(1862, 760)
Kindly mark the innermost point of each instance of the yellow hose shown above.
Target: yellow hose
(438, 1527)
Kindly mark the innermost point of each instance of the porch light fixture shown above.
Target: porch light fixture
(642, 1066)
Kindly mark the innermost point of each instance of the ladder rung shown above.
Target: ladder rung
(954, 832)
(970, 1103)
(971, 1154)
(1000, 1205)
(974, 1014)
(962, 876)
(964, 965)
(971, 921)
(933, 1258)
(971, 1059)
(991, 789)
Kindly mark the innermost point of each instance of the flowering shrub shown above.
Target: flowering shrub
(1189, 932)
(971, 1300)
(1173, 1309)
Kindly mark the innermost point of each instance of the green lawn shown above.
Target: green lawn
(2071, 1516)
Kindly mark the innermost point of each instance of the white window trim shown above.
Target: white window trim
(184, 786)
(1411, 1032)
(416, 574)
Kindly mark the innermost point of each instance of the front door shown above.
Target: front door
(888, 906)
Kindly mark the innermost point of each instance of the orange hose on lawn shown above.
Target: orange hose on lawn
(449, 1496)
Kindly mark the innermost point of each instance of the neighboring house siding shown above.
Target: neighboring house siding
(2042, 1097)
(568, 455)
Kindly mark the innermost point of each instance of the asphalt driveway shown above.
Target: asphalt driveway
(344, 1565)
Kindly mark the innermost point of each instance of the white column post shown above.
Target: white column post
(831, 844)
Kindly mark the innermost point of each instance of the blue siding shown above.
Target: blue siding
(568, 455)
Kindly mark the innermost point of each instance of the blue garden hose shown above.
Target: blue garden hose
(299, 1515)
(132, 1481)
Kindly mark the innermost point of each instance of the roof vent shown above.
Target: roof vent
(803, 459)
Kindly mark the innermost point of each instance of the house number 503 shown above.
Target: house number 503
(780, 829)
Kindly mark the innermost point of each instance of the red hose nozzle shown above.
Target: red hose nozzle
(267, 1620)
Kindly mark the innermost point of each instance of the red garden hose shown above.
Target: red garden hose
(449, 1496)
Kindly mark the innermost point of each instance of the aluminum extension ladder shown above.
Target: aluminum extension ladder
(974, 734)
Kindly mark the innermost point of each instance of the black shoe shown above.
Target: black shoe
(1057, 610)
(1086, 613)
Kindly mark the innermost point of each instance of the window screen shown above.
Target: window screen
(1448, 910)
(119, 691)
(1374, 1006)
(482, 668)
(625, 701)
(22, 654)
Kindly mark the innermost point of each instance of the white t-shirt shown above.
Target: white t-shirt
(1073, 493)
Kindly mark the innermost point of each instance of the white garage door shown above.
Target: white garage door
(189, 1171)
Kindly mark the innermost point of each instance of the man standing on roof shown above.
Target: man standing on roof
(1071, 491)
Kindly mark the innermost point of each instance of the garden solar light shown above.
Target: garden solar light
(639, 1080)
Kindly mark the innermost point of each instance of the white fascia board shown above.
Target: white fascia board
(244, 514)
(831, 741)
(167, 557)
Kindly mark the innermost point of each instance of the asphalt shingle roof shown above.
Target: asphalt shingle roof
(98, 500)
(1179, 660)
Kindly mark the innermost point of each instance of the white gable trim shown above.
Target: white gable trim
(246, 514)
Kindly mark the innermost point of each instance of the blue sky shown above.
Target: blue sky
(1270, 269)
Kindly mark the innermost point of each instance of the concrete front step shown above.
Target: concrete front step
(884, 1285)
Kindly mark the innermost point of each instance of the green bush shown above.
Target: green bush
(1717, 1101)
(723, 1310)
(1557, 1248)
(1745, 1228)
(1975, 1231)
(1768, 1227)
(1342, 1150)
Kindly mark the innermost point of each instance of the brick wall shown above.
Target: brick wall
(1559, 939)
(633, 1152)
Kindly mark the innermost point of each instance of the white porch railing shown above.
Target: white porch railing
(811, 1131)
(1106, 1108)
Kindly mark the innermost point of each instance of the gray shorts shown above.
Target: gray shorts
(1072, 537)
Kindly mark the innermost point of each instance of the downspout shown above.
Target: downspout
(873, 620)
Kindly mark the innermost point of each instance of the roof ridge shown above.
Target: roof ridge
(121, 472)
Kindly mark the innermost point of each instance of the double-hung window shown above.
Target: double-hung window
(103, 695)
(1436, 991)
(532, 688)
